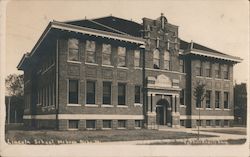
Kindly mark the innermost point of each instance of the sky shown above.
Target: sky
(219, 24)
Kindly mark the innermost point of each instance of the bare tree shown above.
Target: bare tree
(199, 94)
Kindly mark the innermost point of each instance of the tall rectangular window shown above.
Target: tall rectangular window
(226, 72)
(198, 68)
(73, 92)
(217, 70)
(106, 54)
(226, 101)
(208, 69)
(182, 70)
(122, 57)
(208, 99)
(121, 94)
(137, 59)
(73, 50)
(106, 98)
(166, 60)
(90, 52)
(137, 94)
(90, 92)
(217, 99)
(182, 97)
(156, 59)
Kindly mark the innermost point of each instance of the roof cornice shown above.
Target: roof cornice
(96, 32)
(214, 55)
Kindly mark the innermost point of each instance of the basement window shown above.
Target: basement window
(73, 124)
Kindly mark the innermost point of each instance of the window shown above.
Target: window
(217, 99)
(208, 122)
(226, 96)
(90, 124)
(106, 54)
(121, 94)
(137, 60)
(226, 72)
(198, 68)
(208, 99)
(121, 123)
(90, 92)
(198, 122)
(90, 52)
(137, 94)
(106, 123)
(73, 92)
(156, 60)
(182, 122)
(73, 50)
(182, 70)
(138, 123)
(182, 97)
(208, 69)
(217, 122)
(73, 124)
(121, 57)
(226, 123)
(166, 60)
(106, 98)
(217, 70)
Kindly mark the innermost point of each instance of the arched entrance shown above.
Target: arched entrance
(163, 112)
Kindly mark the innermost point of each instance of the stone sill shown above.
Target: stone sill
(91, 64)
(90, 105)
(138, 104)
(76, 62)
(73, 105)
(107, 105)
(126, 68)
(122, 106)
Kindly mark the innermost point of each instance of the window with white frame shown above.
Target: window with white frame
(226, 72)
(198, 68)
(73, 124)
(208, 69)
(137, 94)
(217, 99)
(90, 90)
(106, 123)
(122, 62)
(156, 59)
(217, 70)
(73, 50)
(121, 123)
(90, 51)
(121, 93)
(182, 70)
(106, 54)
(106, 98)
(226, 100)
(73, 92)
(166, 60)
(137, 58)
(208, 99)
(182, 97)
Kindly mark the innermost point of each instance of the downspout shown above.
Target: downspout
(144, 88)
(57, 92)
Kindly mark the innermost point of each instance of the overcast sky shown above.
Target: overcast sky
(219, 24)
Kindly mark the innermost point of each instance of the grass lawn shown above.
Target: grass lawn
(98, 135)
(238, 131)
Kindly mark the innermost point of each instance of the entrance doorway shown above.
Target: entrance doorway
(163, 113)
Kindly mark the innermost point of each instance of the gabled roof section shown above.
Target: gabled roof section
(24, 59)
(198, 49)
(127, 26)
(111, 24)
